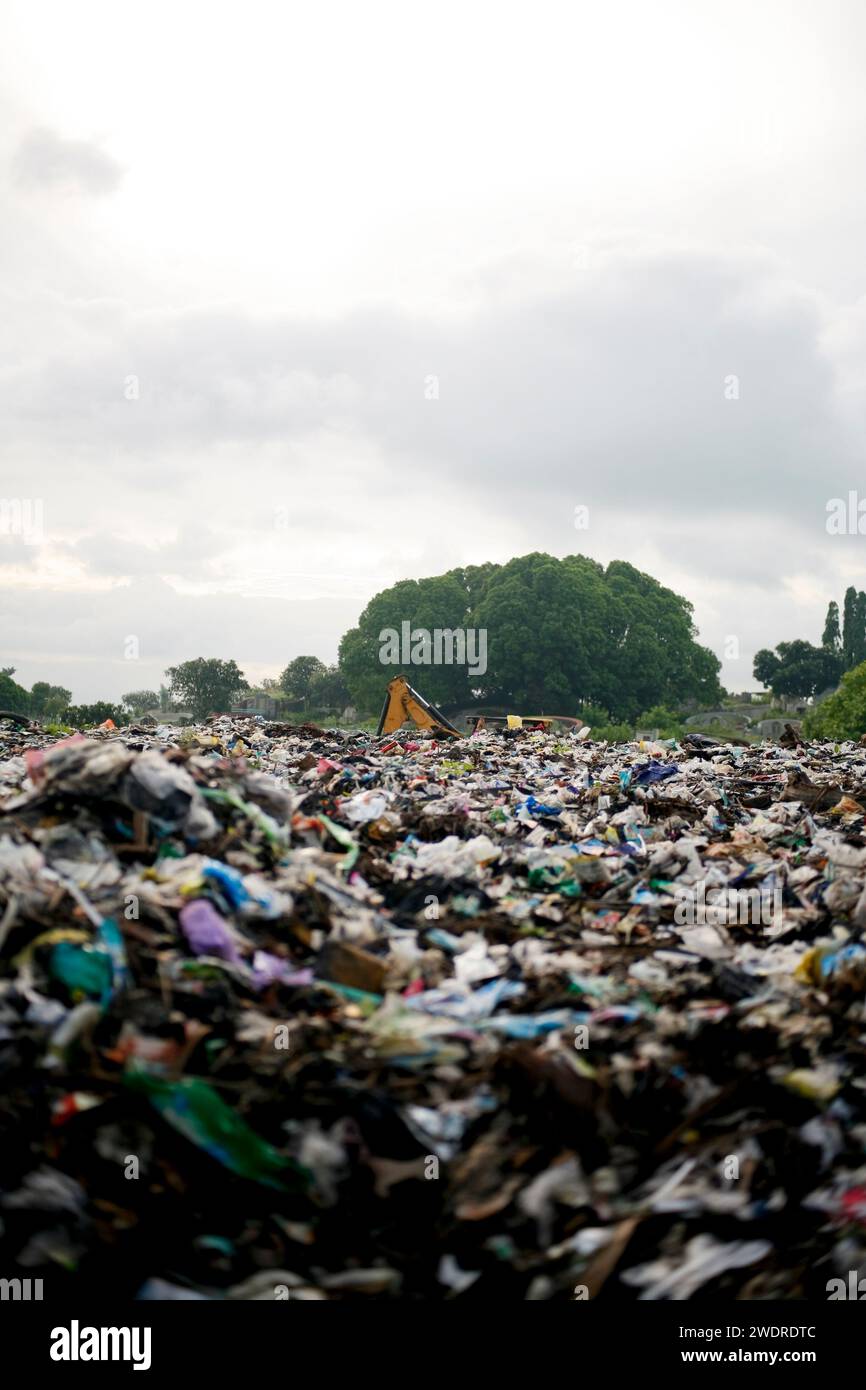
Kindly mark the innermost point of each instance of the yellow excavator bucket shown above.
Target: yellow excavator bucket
(402, 703)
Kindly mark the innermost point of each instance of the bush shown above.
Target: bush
(594, 715)
(842, 715)
(85, 716)
(613, 733)
(667, 721)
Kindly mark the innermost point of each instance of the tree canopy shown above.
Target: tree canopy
(206, 684)
(329, 690)
(798, 669)
(48, 701)
(559, 633)
(299, 677)
(137, 701)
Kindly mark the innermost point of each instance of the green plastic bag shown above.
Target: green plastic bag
(195, 1110)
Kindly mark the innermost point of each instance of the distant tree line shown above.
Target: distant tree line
(202, 686)
(561, 636)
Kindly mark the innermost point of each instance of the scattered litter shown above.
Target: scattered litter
(287, 1012)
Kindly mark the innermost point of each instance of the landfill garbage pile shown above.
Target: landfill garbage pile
(287, 1013)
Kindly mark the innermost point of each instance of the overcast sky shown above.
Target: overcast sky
(299, 300)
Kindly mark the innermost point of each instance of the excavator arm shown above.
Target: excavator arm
(402, 702)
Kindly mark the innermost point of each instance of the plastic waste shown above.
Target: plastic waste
(394, 1020)
(193, 1108)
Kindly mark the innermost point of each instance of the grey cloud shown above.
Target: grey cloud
(190, 555)
(608, 391)
(45, 159)
(614, 385)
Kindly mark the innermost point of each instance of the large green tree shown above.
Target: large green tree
(798, 669)
(48, 701)
(299, 677)
(765, 666)
(558, 633)
(805, 670)
(206, 685)
(137, 701)
(329, 690)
